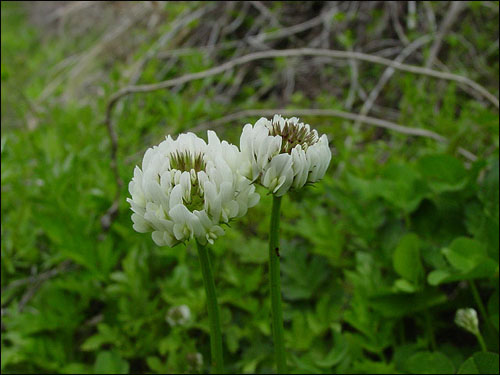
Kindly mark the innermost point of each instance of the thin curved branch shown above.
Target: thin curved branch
(389, 71)
(333, 113)
(298, 52)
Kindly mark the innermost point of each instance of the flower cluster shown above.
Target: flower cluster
(467, 319)
(284, 153)
(186, 188)
(178, 315)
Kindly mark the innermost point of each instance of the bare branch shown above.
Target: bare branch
(34, 282)
(295, 29)
(180, 22)
(266, 12)
(332, 113)
(451, 16)
(137, 14)
(231, 64)
(389, 71)
(354, 76)
(394, 10)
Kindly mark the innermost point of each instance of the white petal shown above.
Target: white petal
(158, 238)
(140, 225)
(176, 196)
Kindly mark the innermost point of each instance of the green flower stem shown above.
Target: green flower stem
(481, 341)
(275, 284)
(213, 311)
(482, 311)
(479, 302)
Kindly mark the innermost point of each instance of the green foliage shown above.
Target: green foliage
(375, 259)
(430, 363)
(480, 363)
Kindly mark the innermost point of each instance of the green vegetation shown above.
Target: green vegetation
(375, 260)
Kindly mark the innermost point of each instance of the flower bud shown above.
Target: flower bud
(467, 319)
(195, 361)
(178, 315)
(284, 154)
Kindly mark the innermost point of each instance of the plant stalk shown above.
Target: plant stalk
(481, 342)
(213, 310)
(482, 312)
(275, 287)
(479, 302)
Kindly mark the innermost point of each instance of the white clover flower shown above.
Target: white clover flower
(284, 154)
(187, 188)
(178, 315)
(467, 319)
(195, 361)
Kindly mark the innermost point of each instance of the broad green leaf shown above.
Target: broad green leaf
(75, 368)
(302, 274)
(480, 363)
(110, 363)
(486, 269)
(252, 251)
(442, 172)
(469, 260)
(465, 254)
(401, 186)
(336, 354)
(402, 285)
(430, 363)
(304, 365)
(406, 258)
(155, 364)
(397, 305)
(437, 277)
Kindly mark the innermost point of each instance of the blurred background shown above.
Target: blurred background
(376, 259)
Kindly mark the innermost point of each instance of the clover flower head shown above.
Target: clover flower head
(284, 154)
(195, 361)
(467, 319)
(187, 187)
(178, 315)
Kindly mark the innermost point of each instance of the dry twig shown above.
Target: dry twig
(34, 282)
(231, 64)
(389, 71)
(451, 16)
(332, 113)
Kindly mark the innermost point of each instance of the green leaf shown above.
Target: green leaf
(480, 363)
(110, 363)
(105, 335)
(75, 368)
(465, 254)
(401, 186)
(338, 352)
(402, 285)
(442, 172)
(155, 364)
(406, 258)
(469, 260)
(430, 363)
(437, 277)
(301, 276)
(397, 305)
(252, 251)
